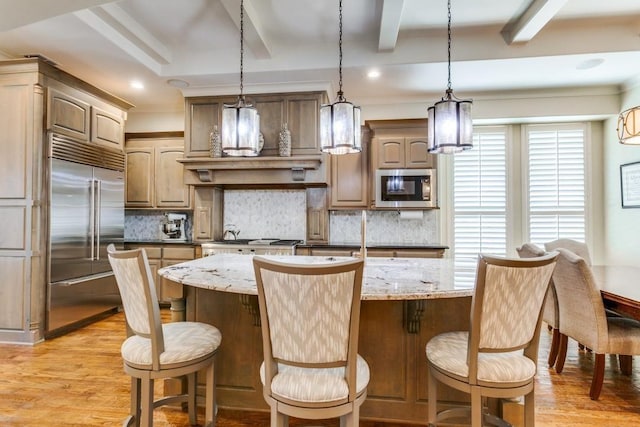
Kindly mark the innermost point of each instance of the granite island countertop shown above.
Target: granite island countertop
(384, 278)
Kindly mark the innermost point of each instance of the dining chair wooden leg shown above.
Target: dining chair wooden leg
(146, 410)
(562, 353)
(529, 409)
(626, 363)
(191, 398)
(135, 402)
(476, 409)
(553, 350)
(278, 419)
(598, 377)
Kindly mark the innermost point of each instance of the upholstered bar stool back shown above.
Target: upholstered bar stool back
(156, 350)
(310, 318)
(550, 310)
(497, 357)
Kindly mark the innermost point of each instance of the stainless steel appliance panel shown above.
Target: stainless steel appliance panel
(76, 300)
(109, 215)
(86, 214)
(405, 188)
(70, 220)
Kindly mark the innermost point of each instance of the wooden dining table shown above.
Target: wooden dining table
(620, 288)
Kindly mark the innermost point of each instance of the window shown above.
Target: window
(480, 198)
(493, 211)
(556, 182)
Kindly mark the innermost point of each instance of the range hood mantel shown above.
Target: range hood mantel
(300, 171)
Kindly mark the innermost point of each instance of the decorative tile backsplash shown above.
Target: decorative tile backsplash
(146, 225)
(267, 213)
(384, 227)
(282, 214)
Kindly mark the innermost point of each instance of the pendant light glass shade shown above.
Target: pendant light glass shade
(240, 129)
(240, 133)
(449, 126)
(629, 126)
(340, 128)
(340, 121)
(449, 123)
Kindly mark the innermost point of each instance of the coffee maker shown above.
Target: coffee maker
(173, 227)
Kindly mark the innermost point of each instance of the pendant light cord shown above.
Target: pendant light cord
(241, 46)
(449, 46)
(340, 93)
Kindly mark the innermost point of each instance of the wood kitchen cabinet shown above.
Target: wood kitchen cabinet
(164, 255)
(350, 180)
(154, 177)
(317, 216)
(83, 117)
(402, 153)
(300, 111)
(400, 144)
(207, 214)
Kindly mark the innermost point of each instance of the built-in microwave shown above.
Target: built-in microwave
(406, 188)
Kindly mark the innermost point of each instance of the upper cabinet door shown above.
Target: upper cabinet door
(416, 154)
(390, 153)
(303, 121)
(140, 177)
(68, 115)
(202, 114)
(107, 129)
(170, 188)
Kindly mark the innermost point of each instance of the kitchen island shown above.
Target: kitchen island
(404, 303)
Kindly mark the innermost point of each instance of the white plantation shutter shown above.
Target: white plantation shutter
(480, 199)
(556, 190)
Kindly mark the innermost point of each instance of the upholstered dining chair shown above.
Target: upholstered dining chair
(310, 317)
(550, 309)
(582, 317)
(579, 248)
(497, 357)
(157, 351)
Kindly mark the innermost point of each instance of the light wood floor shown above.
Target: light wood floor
(77, 380)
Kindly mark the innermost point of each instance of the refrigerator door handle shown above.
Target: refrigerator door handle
(96, 227)
(92, 219)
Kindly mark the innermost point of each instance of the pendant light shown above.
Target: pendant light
(629, 126)
(240, 121)
(340, 121)
(449, 125)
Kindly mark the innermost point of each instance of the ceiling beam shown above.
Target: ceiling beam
(527, 25)
(390, 24)
(254, 35)
(18, 13)
(128, 34)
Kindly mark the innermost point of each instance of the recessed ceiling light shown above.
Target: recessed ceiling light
(373, 74)
(177, 83)
(589, 63)
(137, 84)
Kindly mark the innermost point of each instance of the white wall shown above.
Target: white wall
(622, 226)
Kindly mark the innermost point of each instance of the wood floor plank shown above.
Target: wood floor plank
(77, 380)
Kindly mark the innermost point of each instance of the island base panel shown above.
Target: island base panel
(397, 390)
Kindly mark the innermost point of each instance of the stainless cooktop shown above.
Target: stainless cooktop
(263, 241)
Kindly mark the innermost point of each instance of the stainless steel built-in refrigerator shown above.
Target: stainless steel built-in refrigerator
(86, 213)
